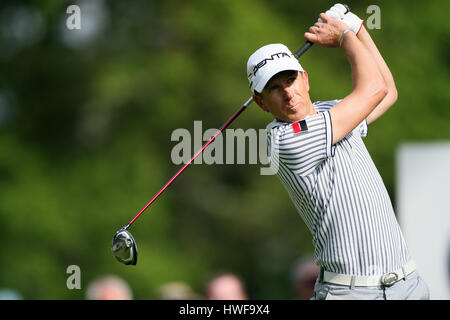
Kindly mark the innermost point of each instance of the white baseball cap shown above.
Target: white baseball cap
(266, 62)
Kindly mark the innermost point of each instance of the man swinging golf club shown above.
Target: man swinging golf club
(322, 162)
(325, 166)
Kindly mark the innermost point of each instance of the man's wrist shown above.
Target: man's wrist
(343, 36)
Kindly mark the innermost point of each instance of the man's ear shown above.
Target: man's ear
(305, 79)
(259, 101)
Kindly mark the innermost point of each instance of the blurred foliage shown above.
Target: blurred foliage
(85, 128)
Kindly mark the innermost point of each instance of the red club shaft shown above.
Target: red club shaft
(297, 54)
(233, 117)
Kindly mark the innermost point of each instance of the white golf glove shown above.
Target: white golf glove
(350, 19)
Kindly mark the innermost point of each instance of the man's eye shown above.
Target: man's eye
(273, 88)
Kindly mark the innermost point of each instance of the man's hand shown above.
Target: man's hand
(326, 33)
(338, 11)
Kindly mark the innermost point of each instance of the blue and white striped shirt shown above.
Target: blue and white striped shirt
(339, 194)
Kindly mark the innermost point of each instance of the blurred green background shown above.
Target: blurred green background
(86, 118)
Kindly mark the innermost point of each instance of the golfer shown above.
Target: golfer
(324, 165)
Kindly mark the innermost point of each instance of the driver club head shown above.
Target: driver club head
(124, 247)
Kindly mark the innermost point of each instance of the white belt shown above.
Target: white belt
(386, 279)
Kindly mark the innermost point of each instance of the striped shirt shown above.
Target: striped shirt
(339, 194)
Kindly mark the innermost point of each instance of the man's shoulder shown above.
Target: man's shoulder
(275, 124)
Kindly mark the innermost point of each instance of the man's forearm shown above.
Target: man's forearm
(364, 72)
(368, 88)
(391, 96)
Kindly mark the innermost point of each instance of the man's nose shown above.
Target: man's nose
(288, 92)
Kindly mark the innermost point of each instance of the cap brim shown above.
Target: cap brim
(276, 68)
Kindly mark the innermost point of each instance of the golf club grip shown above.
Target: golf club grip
(303, 49)
(299, 52)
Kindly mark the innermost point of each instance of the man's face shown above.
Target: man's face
(286, 96)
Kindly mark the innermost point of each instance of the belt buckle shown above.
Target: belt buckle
(388, 279)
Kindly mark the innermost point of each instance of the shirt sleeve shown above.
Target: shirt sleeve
(362, 129)
(322, 106)
(302, 151)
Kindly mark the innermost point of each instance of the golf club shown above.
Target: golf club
(123, 244)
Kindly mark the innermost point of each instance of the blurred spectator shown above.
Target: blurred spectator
(303, 276)
(225, 286)
(10, 294)
(176, 291)
(109, 288)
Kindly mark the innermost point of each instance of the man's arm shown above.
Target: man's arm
(369, 87)
(391, 96)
